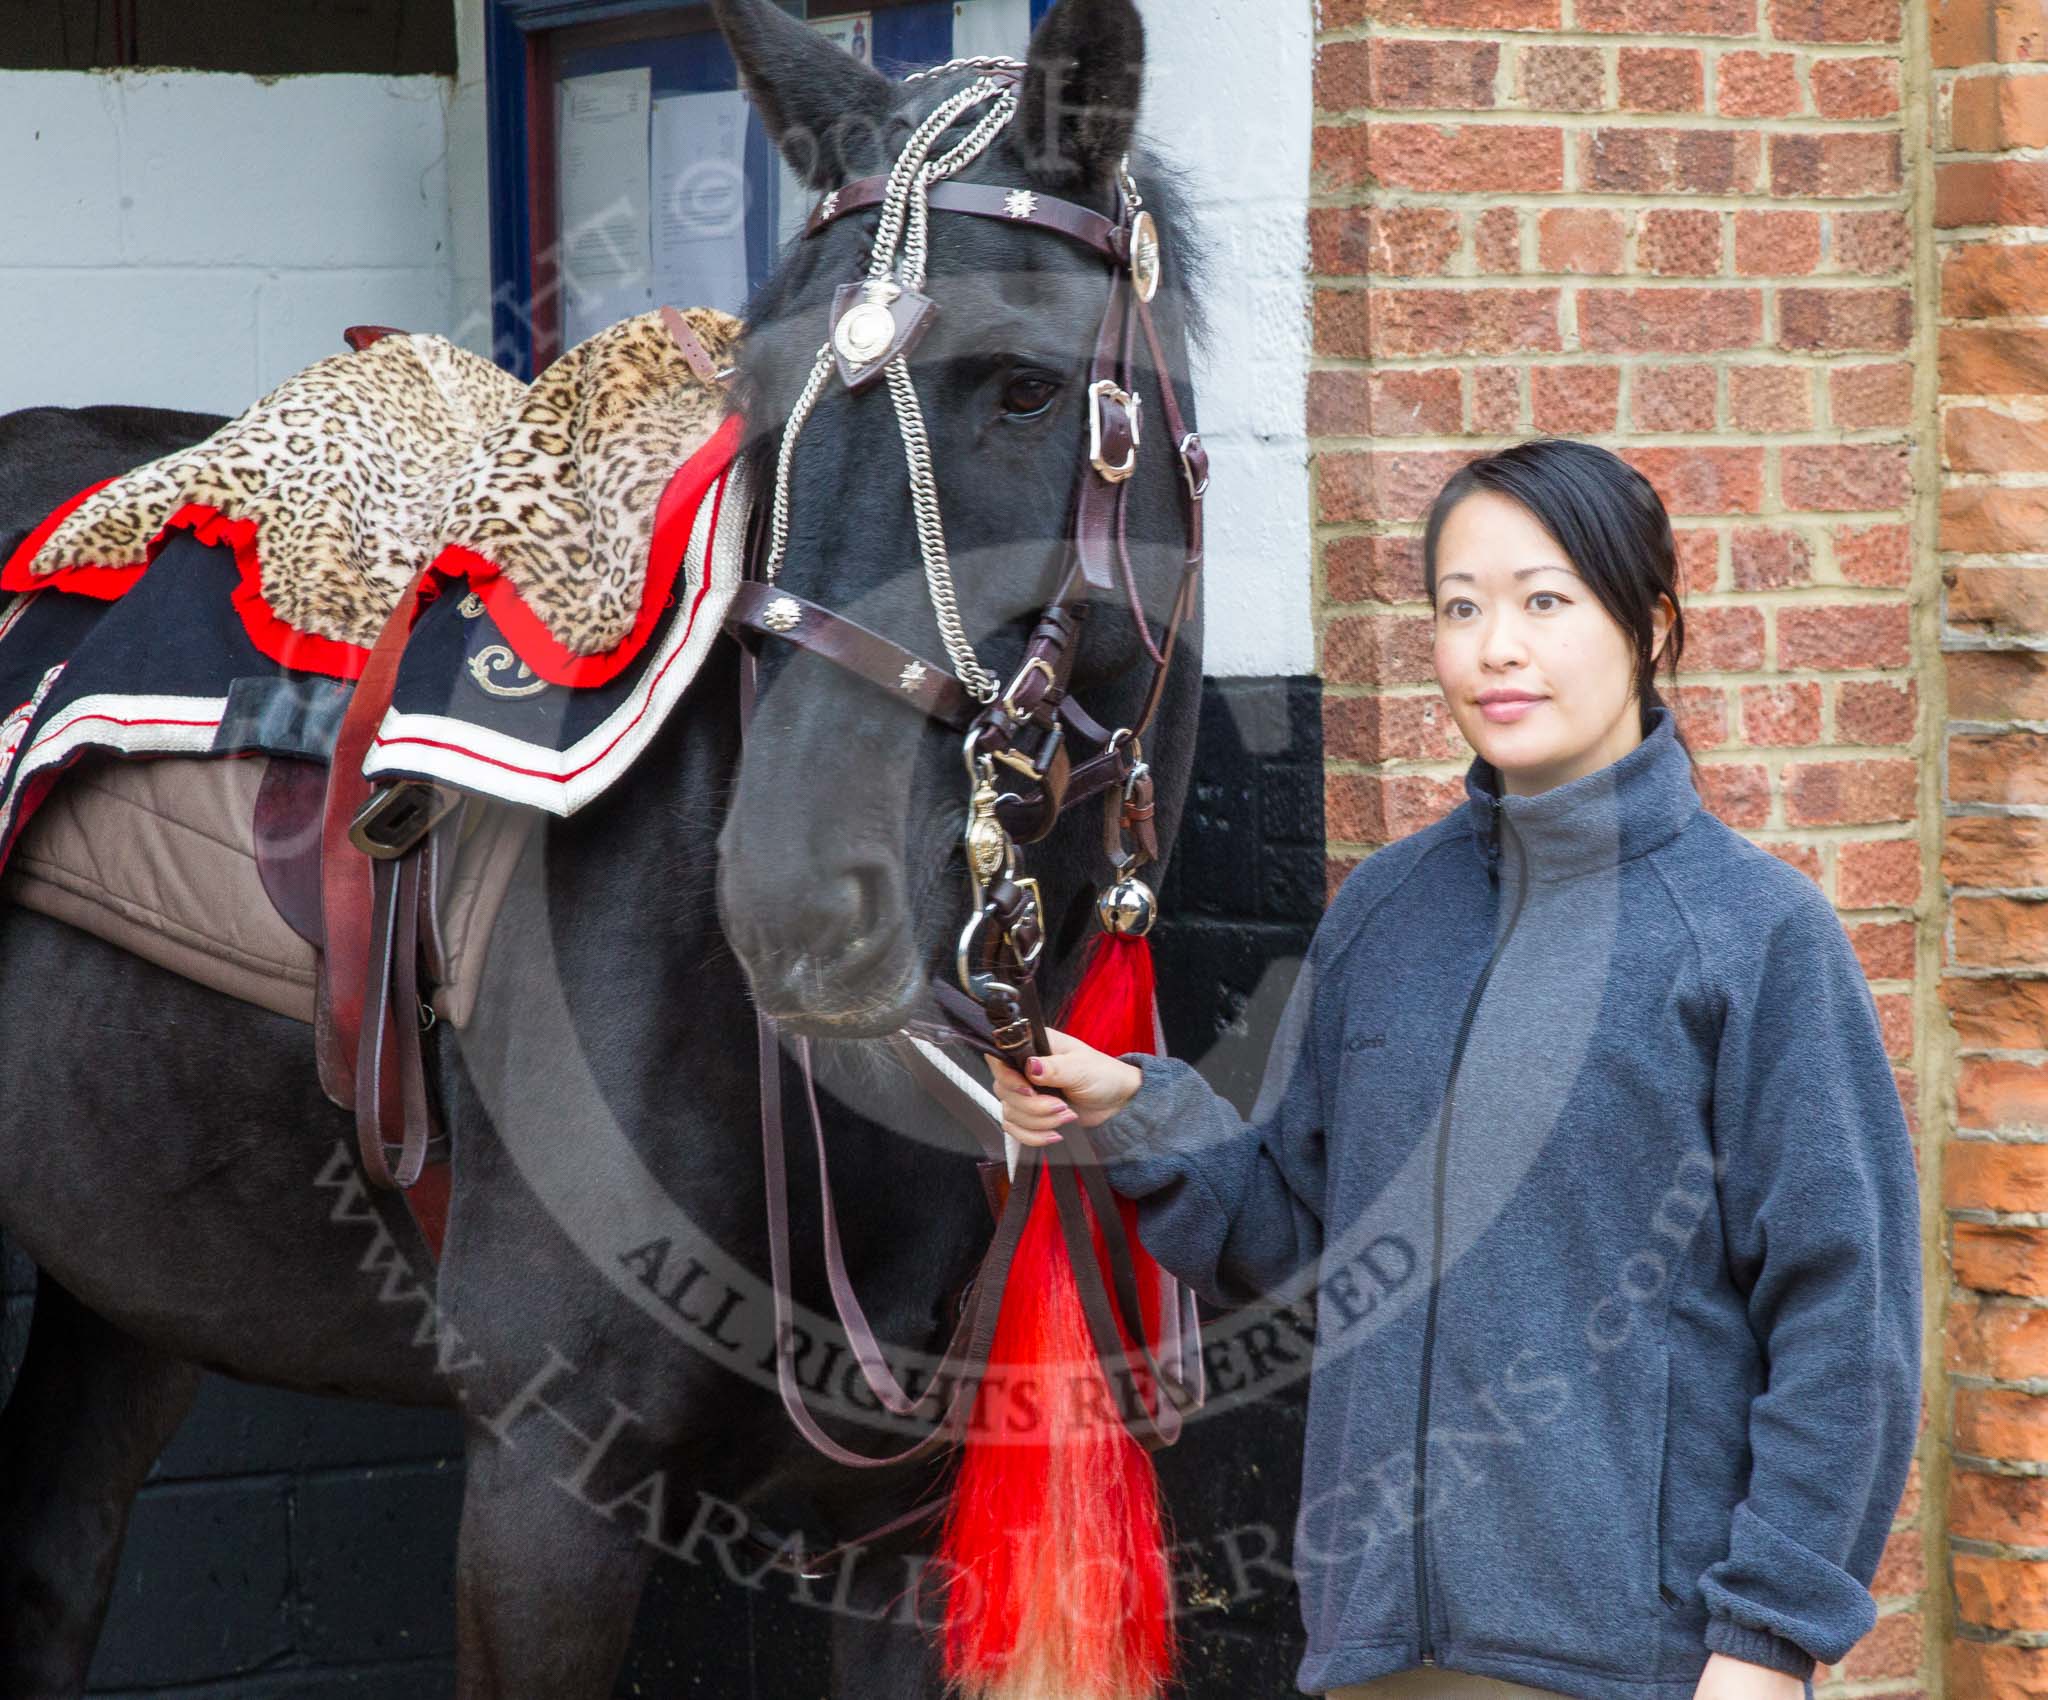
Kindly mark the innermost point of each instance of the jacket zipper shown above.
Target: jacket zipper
(1443, 1136)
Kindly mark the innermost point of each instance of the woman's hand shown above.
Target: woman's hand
(1726, 1677)
(1096, 1087)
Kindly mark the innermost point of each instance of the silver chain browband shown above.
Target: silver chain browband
(906, 224)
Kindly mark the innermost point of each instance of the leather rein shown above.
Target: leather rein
(1020, 747)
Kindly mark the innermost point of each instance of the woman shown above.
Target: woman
(1579, 1123)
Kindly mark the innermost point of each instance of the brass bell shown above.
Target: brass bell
(1127, 907)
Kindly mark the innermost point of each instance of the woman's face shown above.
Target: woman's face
(1538, 675)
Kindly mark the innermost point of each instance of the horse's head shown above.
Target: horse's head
(841, 883)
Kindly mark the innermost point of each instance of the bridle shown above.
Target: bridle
(1024, 772)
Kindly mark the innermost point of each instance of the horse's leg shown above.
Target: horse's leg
(546, 1588)
(90, 1411)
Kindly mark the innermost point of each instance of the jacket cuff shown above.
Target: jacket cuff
(1130, 1132)
(1758, 1646)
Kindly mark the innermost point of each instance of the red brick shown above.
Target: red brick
(1999, 601)
(1340, 241)
(1699, 559)
(1465, 322)
(1342, 324)
(1804, 857)
(1673, 398)
(2000, 767)
(1999, 1422)
(1883, 948)
(1862, 398)
(1497, 241)
(1837, 165)
(1387, 484)
(1724, 640)
(1465, 158)
(1983, 519)
(1680, 244)
(1850, 793)
(1996, 1258)
(1704, 480)
(1662, 79)
(1856, 88)
(1423, 75)
(1378, 568)
(1996, 684)
(1446, 14)
(1981, 439)
(1343, 75)
(1831, 321)
(1770, 398)
(1738, 794)
(1882, 873)
(1378, 808)
(1396, 403)
(1575, 400)
(2001, 1340)
(1702, 712)
(1990, 191)
(1872, 243)
(1999, 1014)
(1858, 635)
(1984, 1174)
(1990, 114)
(1497, 399)
(1776, 244)
(1669, 321)
(1749, 84)
(1997, 850)
(1875, 711)
(1389, 728)
(1668, 17)
(1766, 559)
(1378, 649)
(1993, 280)
(1780, 715)
(1836, 20)
(1847, 477)
(1994, 360)
(1588, 240)
(1879, 555)
(2001, 932)
(1562, 79)
(1337, 157)
(1412, 241)
(1984, 32)
(1653, 161)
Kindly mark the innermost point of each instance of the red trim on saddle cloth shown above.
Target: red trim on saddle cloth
(673, 521)
(307, 652)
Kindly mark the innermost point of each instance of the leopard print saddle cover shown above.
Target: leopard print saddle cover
(339, 486)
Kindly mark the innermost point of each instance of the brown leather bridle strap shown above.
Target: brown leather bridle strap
(774, 612)
(987, 200)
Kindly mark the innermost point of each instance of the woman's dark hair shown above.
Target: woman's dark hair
(1607, 519)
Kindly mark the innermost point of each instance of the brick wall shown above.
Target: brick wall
(1991, 218)
(1688, 229)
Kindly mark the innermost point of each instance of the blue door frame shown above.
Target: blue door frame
(905, 36)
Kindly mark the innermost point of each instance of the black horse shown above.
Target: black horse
(192, 1200)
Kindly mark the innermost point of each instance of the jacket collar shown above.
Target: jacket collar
(1633, 804)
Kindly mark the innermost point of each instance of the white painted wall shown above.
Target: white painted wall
(187, 239)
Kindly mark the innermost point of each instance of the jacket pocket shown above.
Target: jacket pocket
(1664, 1590)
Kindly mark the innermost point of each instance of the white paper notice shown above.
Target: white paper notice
(991, 29)
(855, 32)
(700, 212)
(605, 253)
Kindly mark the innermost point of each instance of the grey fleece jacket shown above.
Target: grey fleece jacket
(1579, 1127)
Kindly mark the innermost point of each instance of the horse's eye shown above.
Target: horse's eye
(1029, 394)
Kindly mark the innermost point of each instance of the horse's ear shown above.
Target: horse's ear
(824, 109)
(1081, 93)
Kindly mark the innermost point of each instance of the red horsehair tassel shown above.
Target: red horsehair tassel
(1054, 1547)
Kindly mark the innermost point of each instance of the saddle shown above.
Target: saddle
(481, 598)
